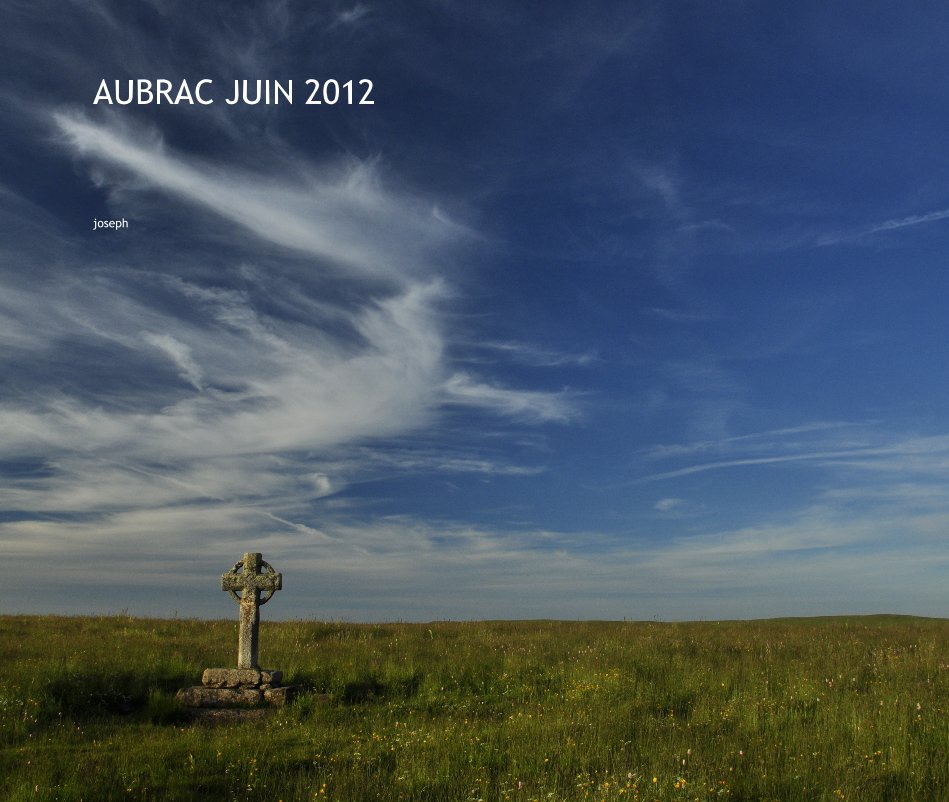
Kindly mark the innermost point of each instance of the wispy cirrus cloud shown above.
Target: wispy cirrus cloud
(535, 356)
(669, 504)
(839, 445)
(531, 355)
(887, 225)
(348, 220)
(816, 559)
(530, 405)
(244, 375)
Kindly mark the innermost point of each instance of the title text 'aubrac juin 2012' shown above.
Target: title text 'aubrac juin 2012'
(267, 91)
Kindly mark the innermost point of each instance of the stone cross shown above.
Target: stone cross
(246, 577)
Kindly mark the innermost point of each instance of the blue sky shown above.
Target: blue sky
(629, 311)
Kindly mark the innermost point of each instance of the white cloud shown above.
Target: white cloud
(528, 354)
(887, 225)
(665, 184)
(669, 504)
(180, 355)
(294, 389)
(826, 445)
(348, 219)
(524, 404)
(248, 393)
(351, 16)
(819, 560)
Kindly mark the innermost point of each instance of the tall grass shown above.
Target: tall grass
(810, 709)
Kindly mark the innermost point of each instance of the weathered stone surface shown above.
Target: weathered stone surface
(230, 677)
(251, 582)
(278, 697)
(219, 697)
(245, 577)
(240, 677)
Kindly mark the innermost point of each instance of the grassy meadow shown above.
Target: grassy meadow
(801, 709)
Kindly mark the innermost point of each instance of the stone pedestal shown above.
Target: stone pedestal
(237, 687)
(245, 686)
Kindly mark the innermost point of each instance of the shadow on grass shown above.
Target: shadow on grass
(371, 687)
(84, 695)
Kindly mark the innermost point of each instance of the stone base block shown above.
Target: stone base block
(278, 697)
(240, 677)
(219, 697)
(237, 688)
(202, 697)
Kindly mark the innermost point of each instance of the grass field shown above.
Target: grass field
(807, 709)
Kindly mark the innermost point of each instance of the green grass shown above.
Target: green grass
(808, 709)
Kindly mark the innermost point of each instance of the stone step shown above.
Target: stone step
(202, 696)
(241, 678)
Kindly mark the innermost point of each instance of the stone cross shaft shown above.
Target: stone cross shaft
(247, 578)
